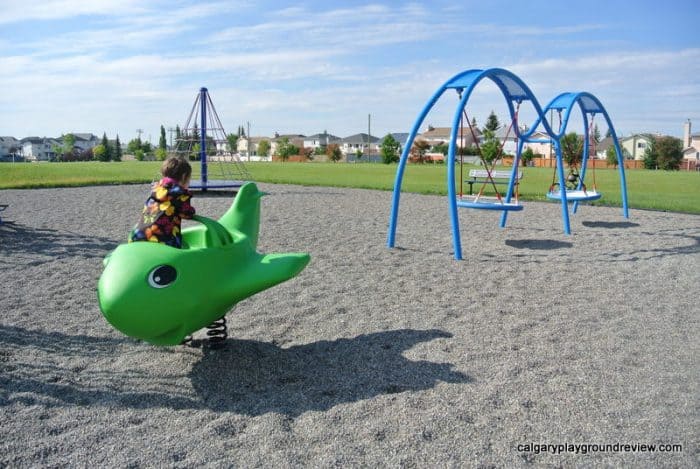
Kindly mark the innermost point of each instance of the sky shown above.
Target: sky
(115, 66)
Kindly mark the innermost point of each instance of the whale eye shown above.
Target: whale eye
(162, 276)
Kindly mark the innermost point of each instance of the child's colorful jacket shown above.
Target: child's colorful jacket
(162, 214)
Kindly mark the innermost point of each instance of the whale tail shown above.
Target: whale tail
(244, 213)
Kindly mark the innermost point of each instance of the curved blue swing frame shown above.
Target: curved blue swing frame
(514, 90)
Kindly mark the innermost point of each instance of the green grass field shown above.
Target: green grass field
(677, 191)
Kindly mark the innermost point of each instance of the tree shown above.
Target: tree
(527, 156)
(133, 145)
(285, 149)
(490, 147)
(443, 148)
(108, 147)
(389, 149)
(419, 149)
(162, 142)
(651, 156)
(232, 142)
(99, 152)
(334, 153)
(611, 156)
(596, 134)
(161, 154)
(572, 149)
(65, 151)
(263, 148)
(492, 123)
(117, 150)
(138, 154)
(669, 152)
(358, 154)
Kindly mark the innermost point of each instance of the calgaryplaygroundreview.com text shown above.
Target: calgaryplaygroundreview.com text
(587, 448)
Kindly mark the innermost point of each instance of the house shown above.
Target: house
(39, 148)
(359, 142)
(249, 148)
(634, 146)
(601, 148)
(691, 144)
(541, 147)
(439, 135)
(321, 140)
(85, 141)
(10, 148)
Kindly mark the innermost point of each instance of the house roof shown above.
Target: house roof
(38, 140)
(360, 138)
(400, 137)
(324, 135)
(604, 144)
(85, 136)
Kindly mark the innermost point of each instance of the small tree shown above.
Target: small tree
(161, 154)
(492, 123)
(333, 152)
(133, 145)
(651, 156)
(285, 149)
(527, 156)
(264, 148)
(490, 147)
(232, 142)
(162, 142)
(389, 149)
(611, 156)
(419, 149)
(572, 149)
(138, 154)
(358, 154)
(108, 147)
(441, 148)
(308, 153)
(669, 152)
(99, 152)
(117, 150)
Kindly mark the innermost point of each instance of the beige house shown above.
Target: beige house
(691, 143)
(634, 146)
(438, 135)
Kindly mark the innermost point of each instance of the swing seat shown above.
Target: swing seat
(489, 204)
(576, 195)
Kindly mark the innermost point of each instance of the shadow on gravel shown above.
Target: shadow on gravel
(609, 224)
(242, 376)
(538, 244)
(21, 239)
(255, 378)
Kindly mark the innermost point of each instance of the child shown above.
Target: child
(167, 205)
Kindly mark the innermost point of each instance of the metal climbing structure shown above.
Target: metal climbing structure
(203, 138)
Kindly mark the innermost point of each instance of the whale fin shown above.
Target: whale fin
(272, 269)
(244, 213)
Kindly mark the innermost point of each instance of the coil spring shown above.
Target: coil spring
(217, 332)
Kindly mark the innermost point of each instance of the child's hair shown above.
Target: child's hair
(176, 168)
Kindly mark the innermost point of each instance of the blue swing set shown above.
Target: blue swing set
(515, 92)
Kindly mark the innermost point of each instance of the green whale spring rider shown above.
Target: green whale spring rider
(162, 294)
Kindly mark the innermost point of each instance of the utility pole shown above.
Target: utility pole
(139, 131)
(249, 142)
(369, 136)
(171, 130)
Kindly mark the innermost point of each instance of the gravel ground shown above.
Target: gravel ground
(371, 356)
